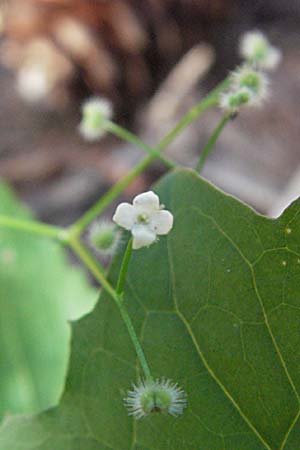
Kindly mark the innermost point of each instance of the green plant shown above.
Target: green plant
(212, 306)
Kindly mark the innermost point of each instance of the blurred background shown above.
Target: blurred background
(154, 59)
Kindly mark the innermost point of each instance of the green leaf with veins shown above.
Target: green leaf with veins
(39, 294)
(216, 305)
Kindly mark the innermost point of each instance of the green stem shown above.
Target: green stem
(34, 227)
(89, 262)
(211, 142)
(124, 134)
(210, 100)
(135, 341)
(110, 196)
(124, 269)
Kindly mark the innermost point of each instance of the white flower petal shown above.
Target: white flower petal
(98, 105)
(142, 236)
(161, 222)
(147, 200)
(125, 216)
(89, 133)
(272, 59)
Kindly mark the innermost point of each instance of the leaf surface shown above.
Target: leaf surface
(216, 305)
(39, 293)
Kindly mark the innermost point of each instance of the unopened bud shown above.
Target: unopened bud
(105, 237)
(257, 50)
(231, 101)
(94, 113)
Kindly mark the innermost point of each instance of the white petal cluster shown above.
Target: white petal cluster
(160, 396)
(256, 49)
(145, 218)
(94, 112)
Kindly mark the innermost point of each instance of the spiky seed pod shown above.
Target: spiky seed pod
(160, 396)
(104, 237)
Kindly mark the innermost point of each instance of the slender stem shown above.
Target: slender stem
(90, 262)
(124, 269)
(211, 142)
(32, 226)
(124, 134)
(110, 196)
(210, 100)
(135, 340)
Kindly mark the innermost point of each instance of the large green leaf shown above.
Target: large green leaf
(39, 293)
(216, 304)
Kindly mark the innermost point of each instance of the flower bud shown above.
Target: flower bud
(33, 83)
(257, 50)
(248, 87)
(231, 101)
(254, 80)
(104, 237)
(94, 112)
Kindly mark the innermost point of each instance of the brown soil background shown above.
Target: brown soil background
(58, 175)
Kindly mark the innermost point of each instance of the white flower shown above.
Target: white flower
(160, 396)
(94, 112)
(256, 49)
(145, 218)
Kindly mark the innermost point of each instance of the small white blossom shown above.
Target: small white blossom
(145, 218)
(256, 49)
(160, 396)
(94, 112)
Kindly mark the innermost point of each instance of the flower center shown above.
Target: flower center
(143, 218)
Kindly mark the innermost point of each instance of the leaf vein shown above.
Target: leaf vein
(204, 361)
